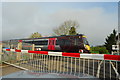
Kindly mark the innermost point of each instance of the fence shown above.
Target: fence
(101, 66)
(16, 45)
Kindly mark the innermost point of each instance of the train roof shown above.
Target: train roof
(49, 37)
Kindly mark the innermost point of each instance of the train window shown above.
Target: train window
(57, 42)
(85, 41)
(29, 42)
(41, 42)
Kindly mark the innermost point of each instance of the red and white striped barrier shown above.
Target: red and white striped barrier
(88, 56)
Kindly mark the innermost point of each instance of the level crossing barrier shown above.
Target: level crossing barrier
(102, 66)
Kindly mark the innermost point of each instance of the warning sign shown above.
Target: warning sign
(115, 47)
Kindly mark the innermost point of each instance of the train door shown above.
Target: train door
(51, 43)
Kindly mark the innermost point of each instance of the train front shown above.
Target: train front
(85, 45)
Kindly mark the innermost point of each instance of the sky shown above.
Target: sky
(96, 19)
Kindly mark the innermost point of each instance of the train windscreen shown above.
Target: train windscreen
(85, 41)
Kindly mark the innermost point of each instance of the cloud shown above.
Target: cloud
(94, 23)
(20, 20)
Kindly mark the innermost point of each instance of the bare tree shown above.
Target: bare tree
(64, 28)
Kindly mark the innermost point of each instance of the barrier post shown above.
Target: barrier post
(0, 51)
(19, 48)
(33, 49)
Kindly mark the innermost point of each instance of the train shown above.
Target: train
(64, 43)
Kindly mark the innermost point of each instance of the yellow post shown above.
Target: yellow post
(18, 53)
(0, 51)
(33, 49)
(0, 57)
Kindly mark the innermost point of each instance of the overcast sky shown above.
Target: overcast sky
(96, 19)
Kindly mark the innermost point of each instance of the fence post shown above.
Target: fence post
(33, 49)
(18, 53)
(0, 51)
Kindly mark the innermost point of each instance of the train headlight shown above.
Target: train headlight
(87, 47)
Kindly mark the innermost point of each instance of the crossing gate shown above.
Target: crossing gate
(101, 66)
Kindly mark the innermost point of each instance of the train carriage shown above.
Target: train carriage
(65, 43)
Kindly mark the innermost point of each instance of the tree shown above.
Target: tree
(72, 31)
(35, 35)
(64, 28)
(111, 40)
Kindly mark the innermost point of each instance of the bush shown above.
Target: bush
(100, 50)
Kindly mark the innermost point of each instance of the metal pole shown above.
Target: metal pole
(98, 70)
(110, 69)
(38, 63)
(42, 63)
(46, 63)
(49, 63)
(93, 67)
(64, 66)
(35, 62)
(52, 63)
(104, 69)
(88, 66)
(75, 66)
(83, 66)
(55, 64)
(79, 66)
(58, 64)
(67, 64)
(71, 65)
(116, 69)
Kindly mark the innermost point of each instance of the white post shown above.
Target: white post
(58, 64)
(79, 66)
(49, 64)
(83, 66)
(88, 66)
(93, 67)
(104, 69)
(110, 69)
(71, 65)
(55, 64)
(67, 63)
(75, 66)
(64, 65)
(46, 63)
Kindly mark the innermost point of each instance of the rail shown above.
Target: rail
(102, 66)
